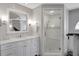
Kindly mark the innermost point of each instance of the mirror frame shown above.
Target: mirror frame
(17, 11)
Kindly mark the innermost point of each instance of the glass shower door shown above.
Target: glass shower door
(53, 31)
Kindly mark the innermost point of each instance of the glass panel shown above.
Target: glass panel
(52, 24)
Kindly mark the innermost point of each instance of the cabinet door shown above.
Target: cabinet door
(20, 51)
(34, 47)
(20, 48)
(26, 50)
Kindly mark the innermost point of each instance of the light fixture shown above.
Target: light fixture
(51, 12)
(4, 19)
(32, 22)
(52, 25)
(10, 26)
(77, 26)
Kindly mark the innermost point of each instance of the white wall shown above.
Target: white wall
(37, 15)
(73, 19)
(71, 6)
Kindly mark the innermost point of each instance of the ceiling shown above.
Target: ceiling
(69, 6)
(30, 5)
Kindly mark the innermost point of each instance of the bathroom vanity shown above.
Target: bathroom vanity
(25, 46)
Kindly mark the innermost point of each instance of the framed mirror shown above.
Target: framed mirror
(17, 21)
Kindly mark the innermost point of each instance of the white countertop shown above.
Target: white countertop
(17, 39)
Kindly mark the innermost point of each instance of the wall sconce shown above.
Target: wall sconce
(77, 26)
(4, 20)
(32, 22)
(10, 26)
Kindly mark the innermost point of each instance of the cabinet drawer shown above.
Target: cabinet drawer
(8, 45)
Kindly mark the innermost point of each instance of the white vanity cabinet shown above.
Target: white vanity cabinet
(27, 47)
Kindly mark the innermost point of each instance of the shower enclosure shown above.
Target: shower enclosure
(53, 29)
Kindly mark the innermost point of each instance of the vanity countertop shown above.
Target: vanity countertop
(17, 39)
